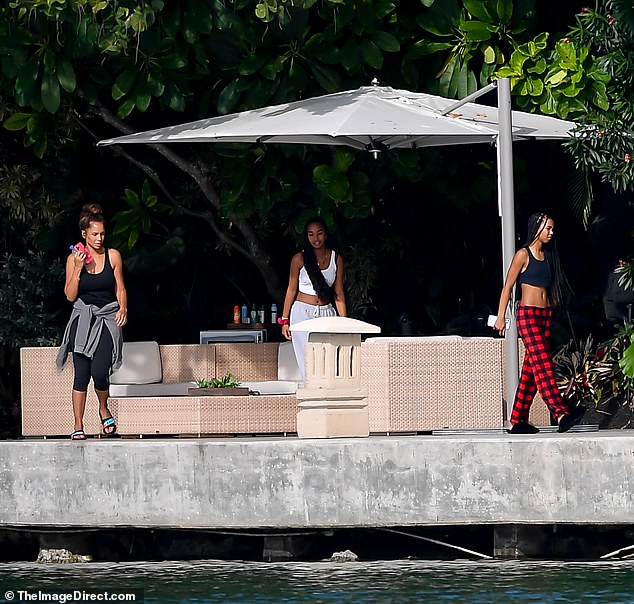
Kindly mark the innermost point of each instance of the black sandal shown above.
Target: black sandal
(108, 425)
(78, 435)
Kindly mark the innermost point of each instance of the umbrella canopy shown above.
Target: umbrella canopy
(378, 118)
(372, 118)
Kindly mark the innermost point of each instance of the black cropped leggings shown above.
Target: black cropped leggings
(98, 367)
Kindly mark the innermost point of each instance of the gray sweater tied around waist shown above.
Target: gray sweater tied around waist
(89, 332)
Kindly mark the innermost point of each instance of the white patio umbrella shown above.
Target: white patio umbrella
(379, 118)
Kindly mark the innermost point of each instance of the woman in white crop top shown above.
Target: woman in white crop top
(315, 284)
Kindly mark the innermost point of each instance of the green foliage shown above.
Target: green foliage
(227, 381)
(617, 362)
(586, 373)
(588, 76)
(626, 274)
(573, 371)
(604, 140)
(478, 35)
(157, 62)
(563, 81)
(343, 185)
(361, 274)
(130, 224)
(29, 286)
(146, 243)
(627, 361)
(56, 49)
(26, 209)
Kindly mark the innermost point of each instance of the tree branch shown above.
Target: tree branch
(254, 250)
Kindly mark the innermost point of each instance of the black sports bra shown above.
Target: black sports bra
(98, 288)
(537, 272)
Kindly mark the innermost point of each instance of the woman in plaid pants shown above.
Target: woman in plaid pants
(537, 270)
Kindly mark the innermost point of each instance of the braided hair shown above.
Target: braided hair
(560, 290)
(325, 292)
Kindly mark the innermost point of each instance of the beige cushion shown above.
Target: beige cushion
(271, 387)
(389, 339)
(141, 364)
(287, 369)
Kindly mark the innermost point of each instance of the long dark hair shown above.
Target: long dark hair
(560, 291)
(325, 292)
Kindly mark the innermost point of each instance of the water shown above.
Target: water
(394, 582)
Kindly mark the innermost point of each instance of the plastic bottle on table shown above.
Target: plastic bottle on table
(244, 314)
(274, 313)
(261, 317)
(236, 315)
(254, 315)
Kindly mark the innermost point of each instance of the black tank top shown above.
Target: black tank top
(98, 289)
(537, 272)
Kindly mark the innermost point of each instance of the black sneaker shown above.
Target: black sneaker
(523, 428)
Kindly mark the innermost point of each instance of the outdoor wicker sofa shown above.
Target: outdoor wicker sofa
(420, 384)
(414, 384)
(143, 409)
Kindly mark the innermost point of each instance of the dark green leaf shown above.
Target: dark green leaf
(272, 68)
(476, 31)
(385, 41)
(123, 84)
(297, 75)
(626, 363)
(423, 48)
(25, 83)
(331, 182)
(480, 10)
(66, 75)
(442, 19)
(51, 96)
(17, 121)
(252, 63)
(126, 108)
(447, 77)
(142, 101)
(343, 159)
(227, 98)
(350, 56)
(327, 78)
(505, 10)
(371, 54)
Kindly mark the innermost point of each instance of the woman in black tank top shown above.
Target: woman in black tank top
(536, 269)
(98, 288)
(94, 282)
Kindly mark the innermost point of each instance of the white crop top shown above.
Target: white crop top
(329, 273)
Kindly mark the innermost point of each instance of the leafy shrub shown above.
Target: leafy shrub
(228, 381)
(30, 298)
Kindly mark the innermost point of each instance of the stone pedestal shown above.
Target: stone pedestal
(333, 403)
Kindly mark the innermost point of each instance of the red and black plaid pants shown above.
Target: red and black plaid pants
(533, 326)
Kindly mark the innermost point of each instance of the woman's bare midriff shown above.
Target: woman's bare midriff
(309, 299)
(534, 296)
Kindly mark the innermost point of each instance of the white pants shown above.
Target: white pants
(300, 311)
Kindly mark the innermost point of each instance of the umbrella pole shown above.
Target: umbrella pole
(507, 215)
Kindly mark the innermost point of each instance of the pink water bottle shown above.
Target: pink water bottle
(81, 248)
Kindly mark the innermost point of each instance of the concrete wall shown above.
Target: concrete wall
(282, 483)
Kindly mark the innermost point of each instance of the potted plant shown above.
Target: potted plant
(227, 385)
(598, 378)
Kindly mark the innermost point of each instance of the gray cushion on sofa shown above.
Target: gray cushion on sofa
(141, 364)
(174, 389)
